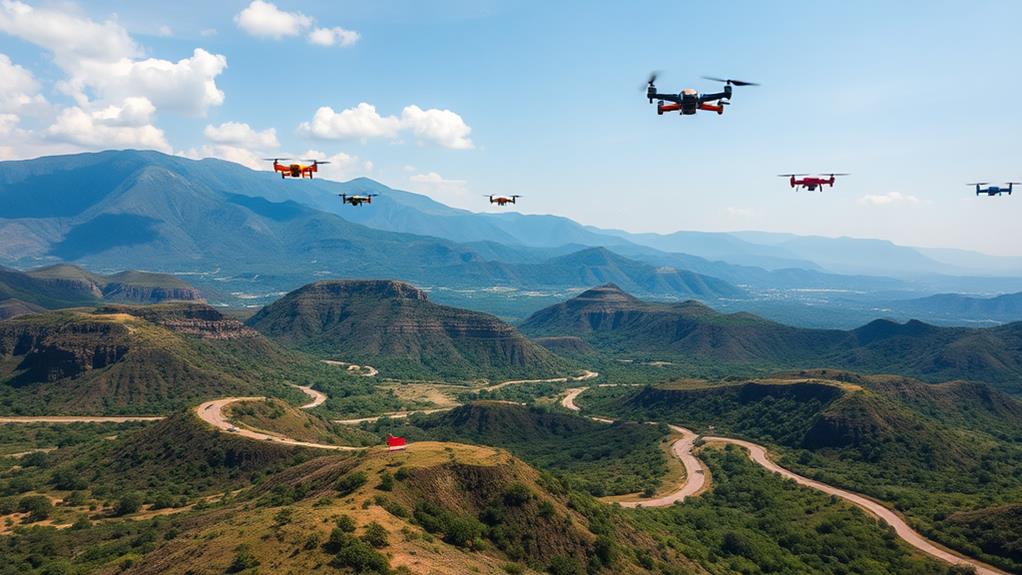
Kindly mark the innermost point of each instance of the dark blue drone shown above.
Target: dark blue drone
(993, 190)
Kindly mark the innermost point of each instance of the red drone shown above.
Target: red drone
(811, 182)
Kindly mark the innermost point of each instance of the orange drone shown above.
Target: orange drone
(502, 200)
(296, 170)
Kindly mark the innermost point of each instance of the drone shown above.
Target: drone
(296, 170)
(503, 200)
(993, 190)
(689, 101)
(811, 182)
(356, 200)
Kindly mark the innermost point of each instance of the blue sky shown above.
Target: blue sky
(543, 99)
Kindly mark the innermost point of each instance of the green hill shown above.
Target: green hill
(393, 326)
(602, 459)
(126, 359)
(614, 321)
(928, 450)
(65, 285)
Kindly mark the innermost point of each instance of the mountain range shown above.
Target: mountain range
(245, 238)
(610, 319)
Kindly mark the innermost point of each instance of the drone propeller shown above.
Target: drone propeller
(274, 160)
(1014, 183)
(316, 161)
(836, 174)
(731, 82)
(978, 184)
(652, 77)
(791, 175)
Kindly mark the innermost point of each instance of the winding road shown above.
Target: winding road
(694, 481)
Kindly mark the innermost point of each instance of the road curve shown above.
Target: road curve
(695, 479)
(212, 412)
(682, 449)
(586, 375)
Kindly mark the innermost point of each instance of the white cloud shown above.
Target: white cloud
(442, 127)
(362, 121)
(236, 154)
(103, 62)
(18, 88)
(165, 31)
(890, 198)
(452, 192)
(342, 167)
(266, 20)
(333, 37)
(7, 123)
(241, 134)
(208, 33)
(116, 126)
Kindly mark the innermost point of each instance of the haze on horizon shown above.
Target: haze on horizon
(459, 99)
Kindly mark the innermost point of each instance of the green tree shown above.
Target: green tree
(129, 503)
(38, 507)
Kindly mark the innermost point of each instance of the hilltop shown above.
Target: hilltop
(65, 285)
(614, 321)
(125, 359)
(611, 319)
(393, 326)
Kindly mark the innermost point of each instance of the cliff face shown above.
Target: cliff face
(148, 294)
(394, 324)
(66, 350)
(187, 318)
(64, 285)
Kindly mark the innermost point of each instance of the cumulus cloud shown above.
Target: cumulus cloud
(333, 37)
(104, 63)
(116, 126)
(165, 31)
(441, 127)
(362, 121)
(19, 90)
(342, 167)
(266, 20)
(450, 191)
(236, 154)
(7, 123)
(241, 134)
(890, 198)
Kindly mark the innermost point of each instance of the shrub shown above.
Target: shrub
(386, 482)
(38, 507)
(351, 482)
(243, 559)
(375, 535)
(517, 495)
(346, 524)
(358, 555)
(562, 565)
(129, 503)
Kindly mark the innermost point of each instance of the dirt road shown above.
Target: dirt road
(363, 370)
(78, 419)
(695, 479)
(586, 375)
(212, 412)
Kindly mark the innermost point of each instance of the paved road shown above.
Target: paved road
(682, 449)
